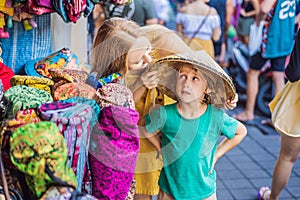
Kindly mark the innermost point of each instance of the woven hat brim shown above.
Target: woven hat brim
(223, 87)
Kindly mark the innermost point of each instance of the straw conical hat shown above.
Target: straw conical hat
(219, 82)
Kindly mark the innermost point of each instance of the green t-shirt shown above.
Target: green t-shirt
(188, 149)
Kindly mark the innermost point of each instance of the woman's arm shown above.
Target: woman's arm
(252, 13)
(179, 28)
(152, 137)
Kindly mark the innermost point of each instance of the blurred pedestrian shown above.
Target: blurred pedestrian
(225, 11)
(144, 12)
(278, 18)
(200, 23)
(247, 15)
(163, 11)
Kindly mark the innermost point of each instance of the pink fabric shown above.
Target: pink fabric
(114, 149)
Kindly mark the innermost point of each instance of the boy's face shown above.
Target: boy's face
(138, 56)
(190, 85)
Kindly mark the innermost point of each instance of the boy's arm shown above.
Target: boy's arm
(228, 144)
(152, 137)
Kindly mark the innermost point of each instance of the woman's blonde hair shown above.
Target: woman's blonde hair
(113, 40)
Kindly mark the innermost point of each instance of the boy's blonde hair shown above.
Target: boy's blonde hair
(112, 43)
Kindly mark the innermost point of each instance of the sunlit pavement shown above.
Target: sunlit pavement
(250, 165)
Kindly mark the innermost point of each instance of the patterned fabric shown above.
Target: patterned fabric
(32, 81)
(73, 121)
(11, 172)
(69, 90)
(22, 97)
(61, 193)
(91, 102)
(71, 75)
(131, 192)
(63, 58)
(113, 78)
(39, 151)
(114, 94)
(87, 181)
(23, 117)
(62, 76)
(114, 148)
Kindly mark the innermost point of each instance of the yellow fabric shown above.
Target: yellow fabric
(285, 109)
(148, 166)
(32, 81)
(207, 45)
(2, 22)
(8, 11)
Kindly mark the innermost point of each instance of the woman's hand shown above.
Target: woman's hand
(231, 104)
(149, 79)
(243, 13)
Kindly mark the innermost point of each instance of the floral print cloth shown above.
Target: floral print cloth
(114, 94)
(62, 76)
(39, 151)
(69, 90)
(23, 117)
(63, 58)
(113, 152)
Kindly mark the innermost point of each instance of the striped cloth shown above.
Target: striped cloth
(73, 121)
(22, 46)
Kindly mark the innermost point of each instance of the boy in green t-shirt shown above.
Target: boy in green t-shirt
(191, 128)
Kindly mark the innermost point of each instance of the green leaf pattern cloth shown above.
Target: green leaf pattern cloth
(39, 146)
(22, 97)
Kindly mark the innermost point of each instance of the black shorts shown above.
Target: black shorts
(277, 64)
